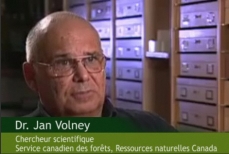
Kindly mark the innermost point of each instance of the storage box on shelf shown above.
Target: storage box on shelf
(198, 40)
(129, 49)
(96, 1)
(204, 65)
(130, 91)
(79, 10)
(199, 15)
(108, 69)
(200, 65)
(191, 1)
(108, 88)
(72, 3)
(103, 28)
(128, 105)
(100, 11)
(129, 28)
(106, 47)
(199, 115)
(197, 90)
(129, 8)
(76, 6)
(130, 70)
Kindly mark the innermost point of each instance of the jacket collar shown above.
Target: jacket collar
(108, 109)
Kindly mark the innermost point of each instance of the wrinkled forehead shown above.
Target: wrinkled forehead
(70, 38)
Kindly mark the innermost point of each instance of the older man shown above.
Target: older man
(65, 67)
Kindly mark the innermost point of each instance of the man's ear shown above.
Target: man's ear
(29, 75)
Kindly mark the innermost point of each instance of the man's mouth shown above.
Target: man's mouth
(82, 94)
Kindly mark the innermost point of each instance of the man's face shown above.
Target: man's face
(81, 93)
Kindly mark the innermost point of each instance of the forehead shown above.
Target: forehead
(71, 40)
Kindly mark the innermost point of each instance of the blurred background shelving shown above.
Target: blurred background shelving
(199, 61)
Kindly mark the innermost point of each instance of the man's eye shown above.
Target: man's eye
(62, 62)
(91, 59)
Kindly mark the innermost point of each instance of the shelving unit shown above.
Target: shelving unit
(200, 68)
(134, 81)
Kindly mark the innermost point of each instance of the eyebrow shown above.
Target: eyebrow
(90, 53)
(61, 55)
(67, 55)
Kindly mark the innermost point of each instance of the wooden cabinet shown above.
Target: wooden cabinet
(199, 62)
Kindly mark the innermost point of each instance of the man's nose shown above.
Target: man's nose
(80, 74)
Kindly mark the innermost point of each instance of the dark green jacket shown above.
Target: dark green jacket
(148, 122)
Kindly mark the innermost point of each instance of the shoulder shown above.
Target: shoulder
(149, 122)
(35, 113)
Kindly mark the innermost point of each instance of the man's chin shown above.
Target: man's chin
(86, 109)
(83, 97)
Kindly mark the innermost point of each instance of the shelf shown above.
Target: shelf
(160, 55)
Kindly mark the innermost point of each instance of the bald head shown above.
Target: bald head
(56, 29)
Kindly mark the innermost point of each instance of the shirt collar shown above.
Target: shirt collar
(108, 109)
(42, 110)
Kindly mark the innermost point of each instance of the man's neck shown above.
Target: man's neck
(56, 113)
(106, 110)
